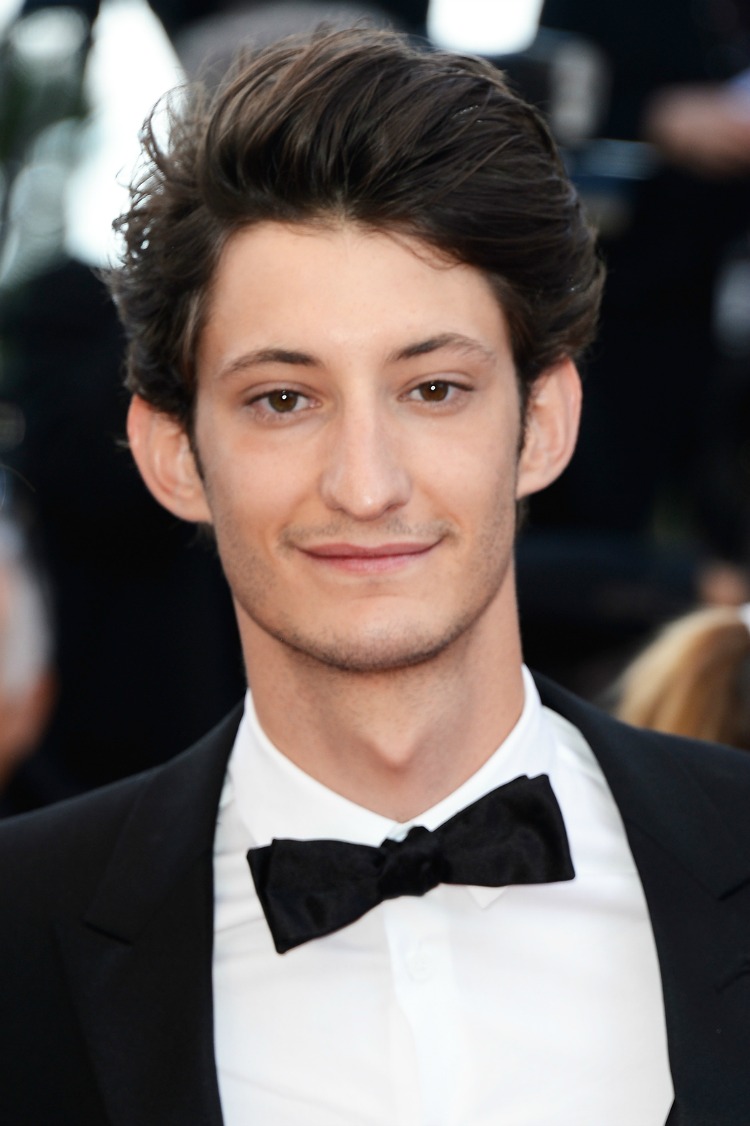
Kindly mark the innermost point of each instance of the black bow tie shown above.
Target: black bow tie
(513, 835)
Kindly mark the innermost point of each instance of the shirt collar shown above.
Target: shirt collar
(276, 799)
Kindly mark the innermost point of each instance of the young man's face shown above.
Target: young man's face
(358, 427)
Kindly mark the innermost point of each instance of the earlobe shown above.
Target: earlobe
(161, 449)
(552, 418)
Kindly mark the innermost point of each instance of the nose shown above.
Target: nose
(364, 476)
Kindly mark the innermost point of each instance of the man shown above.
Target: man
(354, 287)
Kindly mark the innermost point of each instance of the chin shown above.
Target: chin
(379, 653)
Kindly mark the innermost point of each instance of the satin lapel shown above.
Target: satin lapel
(689, 833)
(139, 962)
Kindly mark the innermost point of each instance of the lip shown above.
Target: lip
(376, 559)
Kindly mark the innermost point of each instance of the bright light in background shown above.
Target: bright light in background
(484, 27)
(130, 66)
(8, 11)
(48, 38)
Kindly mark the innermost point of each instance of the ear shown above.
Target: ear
(551, 427)
(162, 452)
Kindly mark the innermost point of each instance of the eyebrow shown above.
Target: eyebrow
(454, 341)
(267, 356)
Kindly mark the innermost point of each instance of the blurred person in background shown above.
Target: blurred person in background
(27, 680)
(703, 127)
(693, 679)
(674, 80)
(636, 533)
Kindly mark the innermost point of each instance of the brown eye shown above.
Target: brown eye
(282, 402)
(435, 391)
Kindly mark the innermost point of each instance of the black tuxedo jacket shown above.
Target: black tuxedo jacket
(106, 926)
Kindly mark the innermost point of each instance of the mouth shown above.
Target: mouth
(377, 559)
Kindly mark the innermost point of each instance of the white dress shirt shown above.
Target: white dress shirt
(468, 1006)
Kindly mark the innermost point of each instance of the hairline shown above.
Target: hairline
(329, 219)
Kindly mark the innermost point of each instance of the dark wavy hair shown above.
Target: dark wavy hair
(358, 125)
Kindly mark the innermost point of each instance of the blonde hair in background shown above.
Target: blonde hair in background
(694, 679)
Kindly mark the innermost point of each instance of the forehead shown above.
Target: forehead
(340, 285)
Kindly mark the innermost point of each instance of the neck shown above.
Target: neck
(395, 742)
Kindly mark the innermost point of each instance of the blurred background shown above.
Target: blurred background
(136, 650)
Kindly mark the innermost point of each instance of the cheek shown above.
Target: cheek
(478, 474)
(252, 499)
(242, 475)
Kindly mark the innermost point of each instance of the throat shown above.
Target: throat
(398, 745)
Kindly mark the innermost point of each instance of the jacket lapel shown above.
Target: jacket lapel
(139, 962)
(694, 864)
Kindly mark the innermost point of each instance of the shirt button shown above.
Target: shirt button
(418, 964)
